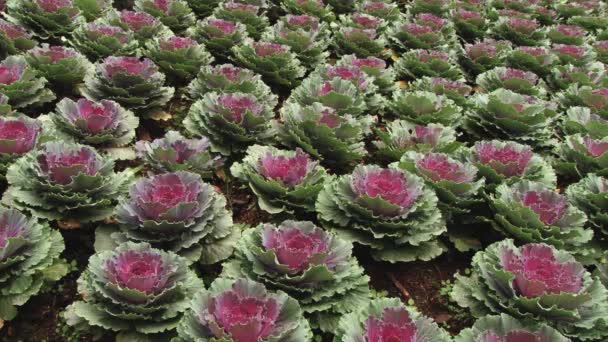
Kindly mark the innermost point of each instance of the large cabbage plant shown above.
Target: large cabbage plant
(18, 135)
(505, 328)
(22, 84)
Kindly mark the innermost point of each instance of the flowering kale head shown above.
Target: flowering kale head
(47, 19)
(285, 170)
(244, 13)
(98, 40)
(18, 136)
(573, 54)
(139, 271)
(539, 60)
(382, 75)
(582, 120)
(469, 23)
(591, 196)
(567, 34)
(137, 21)
(516, 80)
(425, 31)
(358, 41)
(128, 66)
(439, 167)
(419, 63)
(14, 39)
(178, 57)
(219, 35)
(60, 165)
(582, 154)
(10, 74)
(519, 30)
(63, 67)
(176, 43)
(424, 107)
(505, 328)
(175, 14)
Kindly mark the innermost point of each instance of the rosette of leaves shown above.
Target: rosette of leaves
(503, 114)
(339, 94)
(505, 328)
(133, 83)
(539, 60)
(594, 75)
(469, 24)
(402, 136)
(515, 80)
(315, 267)
(47, 19)
(415, 64)
(65, 181)
(423, 31)
(535, 282)
(97, 40)
(324, 133)
(380, 9)
(519, 31)
(384, 319)
(581, 154)
(22, 84)
(249, 15)
(231, 121)
(178, 212)
(482, 56)
(242, 310)
(305, 35)
(219, 35)
(276, 63)
(424, 107)
(582, 120)
(315, 8)
(361, 21)
(227, 78)
(134, 290)
(144, 26)
(508, 162)
(383, 75)
(93, 9)
(62, 67)
(178, 57)
(282, 180)
(360, 42)
(14, 39)
(174, 153)
(437, 7)
(387, 209)
(573, 54)
(457, 91)
(532, 212)
(18, 135)
(29, 257)
(590, 195)
(596, 99)
(567, 34)
(601, 50)
(103, 123)
(175, 14)
(568, 9)
(203, 8)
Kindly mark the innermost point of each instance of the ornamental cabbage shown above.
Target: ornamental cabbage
(135, 84)
(48, 19)
(482, 56)
(342, 95)
(567, 34)
(457, 91)
(14, 39)
(219, 36)
(282, 180)
(22, 84)
(424, 31)
(175, 14)
(248, 15)
(469, 24)
(594, 75)
(573, 54)
(276, 63)
(325, 134)
(174, 153)
(315, 8)
(231, 121)
(387, 209)
(385, 10)
(424, 107)
(539, 60)
(383, 75)
(505, 328)
(388, 319)
(64, 68)
(419, 63)
(29, 259)
(535, 282)
(134, 290)
(594, 98)
(360, 42)
(437, 7)
(65, 181)
(242, 311)
(515, 80)
(581, 154)
(582, 120)
(590, 195)
(143, 25)
(402, 136)
(103, 123)
(203, 8)
(315, 267)
(533, 212)
(178, 212)
(519, 31)
(179, 58)
(98, 40)
(18, 135)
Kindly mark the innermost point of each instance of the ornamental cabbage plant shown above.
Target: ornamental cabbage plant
(240, 311)
(249, 15)
(434, 63)
(519, 31)
(179, 58)
(573, 54)
(324, 133)
(29, 259)
(276, 63)
(402, 136)
(457, 91)
(535, 282)
(582, 120)
(388, 319)
(134, 290)
(18, 136)
(591, 74)
(231, 121)
(469, 24)
(22, 84)
(14, 39)
(390, 210)
(65, 181)
(385, 10)
(424, 31)
(342, 95)
(590, 195)
(538, 59)
(63, 67)
(479, 57)
(358, 41)
(581, 154)
(103, 123)
(47, 19)
(175, 14)
(382, 74)
(515, 80)
(505, 328)
(173, 153)
(178, 212)
(424, 107)
(144, 26)
(282, 180)
(594, 98)
(97, 40)
(315, 8)
(532, 212)
(315, 267)
(135, 84)
(219, 36)
(567, 34)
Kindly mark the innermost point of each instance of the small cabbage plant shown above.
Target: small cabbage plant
(175, 14)
(425, 107)
(98, 40)
(590, 195)
(18, 135)
(342, 95)
(22, 84)
(48, 19)
(516, 80)
(244, 13)
(581, 154)
(433, 63)
(142, 25)
(282, 180)
(383, 75)
(538, 59)
(62, 67)
(179, 58)
(219, 36)
(482, 56)
(457, 91)
(505, 328)
(14, 39)
(583, 121)
(315, 267)
(358, 41)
